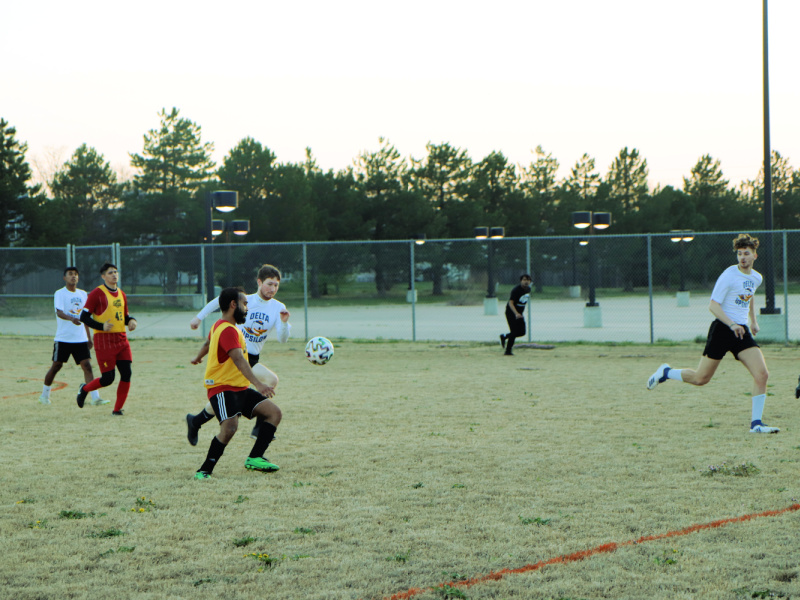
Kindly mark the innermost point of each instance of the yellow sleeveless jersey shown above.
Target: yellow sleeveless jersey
(115, 310)
(224, 373)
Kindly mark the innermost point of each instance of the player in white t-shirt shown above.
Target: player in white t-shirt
(72, 337)
(264, 313)
(732, 305)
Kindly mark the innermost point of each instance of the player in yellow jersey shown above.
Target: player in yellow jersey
(227, 377)
(106, 311)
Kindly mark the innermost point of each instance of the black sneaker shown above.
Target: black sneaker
(81, 396)
(797, 389)
(503, 340)
(508, 353)
(116, 413)
(191, 433)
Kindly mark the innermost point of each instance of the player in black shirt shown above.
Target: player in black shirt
(514, 313)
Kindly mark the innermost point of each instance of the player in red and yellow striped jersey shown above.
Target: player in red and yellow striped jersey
(106, 311)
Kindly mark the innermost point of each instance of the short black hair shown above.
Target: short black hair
(525, 276)
(229, 295)
(106, 267)
(68, 269)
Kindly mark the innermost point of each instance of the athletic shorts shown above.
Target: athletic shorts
(229, 404)
(721, 340)
(109, 354)
(515, 326)
(252, 359)
(77, 350)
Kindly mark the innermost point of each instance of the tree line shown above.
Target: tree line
(382, 196)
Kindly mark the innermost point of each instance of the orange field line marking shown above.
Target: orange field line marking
(603, 548)
(57, 385)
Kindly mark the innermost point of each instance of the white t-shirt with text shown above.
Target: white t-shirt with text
(70, 303)
(734, 291)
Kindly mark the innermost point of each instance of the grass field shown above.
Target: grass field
(407, 470)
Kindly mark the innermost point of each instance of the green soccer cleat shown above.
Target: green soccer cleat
(202, 475)
(260, 464)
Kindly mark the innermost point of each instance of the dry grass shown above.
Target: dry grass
(403, 466)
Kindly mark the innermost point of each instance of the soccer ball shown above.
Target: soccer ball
(319, 350)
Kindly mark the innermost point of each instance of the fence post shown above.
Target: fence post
(305, 286)
(650, 281)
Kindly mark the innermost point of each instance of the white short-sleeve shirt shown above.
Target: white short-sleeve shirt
(70, 303)
(734, 291)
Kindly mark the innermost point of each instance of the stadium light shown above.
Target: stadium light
(592, 220)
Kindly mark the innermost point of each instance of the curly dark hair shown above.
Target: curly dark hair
(745, 240)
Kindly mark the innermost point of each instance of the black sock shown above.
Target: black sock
(214, 453)
(509, 343)
(266, 432)
(201, 419)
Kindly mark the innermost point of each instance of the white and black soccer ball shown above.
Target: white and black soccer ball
(319, 350)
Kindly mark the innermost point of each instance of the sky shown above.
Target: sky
(675, 80)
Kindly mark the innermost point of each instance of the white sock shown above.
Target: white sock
(675, 374)
(95, 394)
(758, 406)
(46, 390)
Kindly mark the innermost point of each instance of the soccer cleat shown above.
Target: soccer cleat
(81, 395)
(797, 389)
(761, 428)
(202, 475)
(191, 433)
(503, 340)
(260, 464)
(99, 401)
(660, 376)
(116, 413)
(44, 399)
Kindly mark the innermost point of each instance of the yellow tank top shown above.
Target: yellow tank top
(224, 373)
(115, 311)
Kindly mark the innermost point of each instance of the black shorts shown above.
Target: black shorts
(252, 359)
(721, 340)
(515, 326)
(229, 404)
(63, 350)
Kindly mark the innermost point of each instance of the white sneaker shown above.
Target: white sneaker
(761, 428)
(44, 399)
(657, 377)
(99, 401)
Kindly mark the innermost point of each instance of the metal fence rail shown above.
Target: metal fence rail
(647, 287)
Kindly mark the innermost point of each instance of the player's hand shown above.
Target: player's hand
(263, 389)
(91, 344)
(197, 360)
(519, 316)
(754, 328)
(285, 316)
(107, 326)
(194, 323)
(76, 321)
(738, 330)
(131, 324)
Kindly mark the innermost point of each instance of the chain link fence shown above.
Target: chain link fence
(645, 288)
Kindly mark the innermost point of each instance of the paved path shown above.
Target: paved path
(624, 320)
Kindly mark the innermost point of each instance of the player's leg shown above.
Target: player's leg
(58, 362)
(83, 358)
(125, 373)
(754, 362)
(271, 380)
(517, 327)
(271, 416)
(504, 338)
(195, 422)
(227, 429)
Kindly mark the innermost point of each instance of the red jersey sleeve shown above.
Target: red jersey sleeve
(95, 302)
(228, 340)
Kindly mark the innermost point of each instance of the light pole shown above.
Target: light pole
(682, 237)
(592, 317)
(418, 239)
(223, 201)
(489, 234)
(238, 227)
